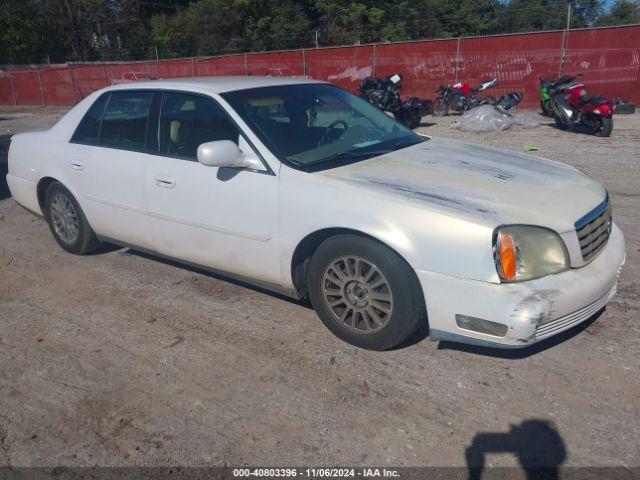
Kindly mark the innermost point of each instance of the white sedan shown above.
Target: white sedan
(302, 188)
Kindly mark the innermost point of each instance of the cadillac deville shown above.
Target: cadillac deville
(299, 187)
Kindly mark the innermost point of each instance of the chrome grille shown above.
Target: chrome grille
(593, 230)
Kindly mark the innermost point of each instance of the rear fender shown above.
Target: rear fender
(604, 109)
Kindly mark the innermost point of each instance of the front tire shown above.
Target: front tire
(365, 293)
(545, 107)
(560, 124)
(67, 222)
(440, 108)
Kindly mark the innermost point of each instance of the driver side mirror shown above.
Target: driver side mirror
(222, 153)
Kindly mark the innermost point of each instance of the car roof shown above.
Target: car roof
(214, 84)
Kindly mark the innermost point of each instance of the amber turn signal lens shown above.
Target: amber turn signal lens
(507, 256)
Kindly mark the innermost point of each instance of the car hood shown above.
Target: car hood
(497, 185)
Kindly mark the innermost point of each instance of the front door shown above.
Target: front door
(221, 218)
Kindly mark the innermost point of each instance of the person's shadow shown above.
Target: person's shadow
(536, 443)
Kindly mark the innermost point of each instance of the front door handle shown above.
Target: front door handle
(77, 165)
(165, 182)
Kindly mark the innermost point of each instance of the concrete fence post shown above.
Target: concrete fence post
(44, 101)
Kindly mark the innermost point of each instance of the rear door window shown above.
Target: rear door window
(124, 124)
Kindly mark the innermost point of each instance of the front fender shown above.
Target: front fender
(430, 239)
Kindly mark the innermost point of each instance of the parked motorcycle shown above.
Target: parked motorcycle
(573, 106)
(461, 97)
(383, 92)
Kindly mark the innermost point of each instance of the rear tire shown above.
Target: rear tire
(605, 127)
(67, 222)
(414, 122)
(365, 293)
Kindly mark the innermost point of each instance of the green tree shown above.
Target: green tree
(18, 34)
(623, 12)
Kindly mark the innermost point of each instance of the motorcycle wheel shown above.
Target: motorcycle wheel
(560, 124)
(414, 122)
(604, 127)
(409, 121)
(440, 109)
(545, 106)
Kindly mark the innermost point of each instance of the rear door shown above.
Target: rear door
(108, 160)
(221, 218)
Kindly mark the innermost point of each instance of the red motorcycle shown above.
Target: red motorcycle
(572, 105)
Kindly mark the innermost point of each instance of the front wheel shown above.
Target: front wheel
(560, 124)
(67, 222)
(440, 108)
(365, 293)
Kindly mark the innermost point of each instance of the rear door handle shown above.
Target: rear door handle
(76, 165)
(165, 182)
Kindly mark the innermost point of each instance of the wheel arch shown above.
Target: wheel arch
(308, 245)
(41, 191)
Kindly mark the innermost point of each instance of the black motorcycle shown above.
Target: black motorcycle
(461, 97)
(383, 92)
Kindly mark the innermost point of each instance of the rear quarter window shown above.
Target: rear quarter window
(89, 127)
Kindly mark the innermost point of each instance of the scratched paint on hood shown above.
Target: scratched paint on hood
(491, 183)
(448, 198)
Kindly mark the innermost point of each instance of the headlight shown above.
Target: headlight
(524, 252)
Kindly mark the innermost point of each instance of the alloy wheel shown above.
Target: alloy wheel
(65, 219)
(357, 294)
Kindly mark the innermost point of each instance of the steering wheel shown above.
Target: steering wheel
(327, 133)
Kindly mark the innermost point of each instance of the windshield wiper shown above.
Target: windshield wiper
(353, 155)
(401, 145)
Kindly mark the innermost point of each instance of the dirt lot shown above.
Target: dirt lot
(122, 359)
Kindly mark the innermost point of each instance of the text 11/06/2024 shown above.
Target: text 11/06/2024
(315, 473)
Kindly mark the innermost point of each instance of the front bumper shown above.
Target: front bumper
(532, 310)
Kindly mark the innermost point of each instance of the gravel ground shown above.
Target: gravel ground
(122, 359)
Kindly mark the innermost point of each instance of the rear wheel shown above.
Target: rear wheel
(67, 222)
(414, 121)
(603, 126)
(364, 292)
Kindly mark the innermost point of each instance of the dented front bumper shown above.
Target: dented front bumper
(532, 310)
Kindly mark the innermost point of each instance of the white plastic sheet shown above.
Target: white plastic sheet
(487, 118)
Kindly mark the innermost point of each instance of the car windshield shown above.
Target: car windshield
(319, 125)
